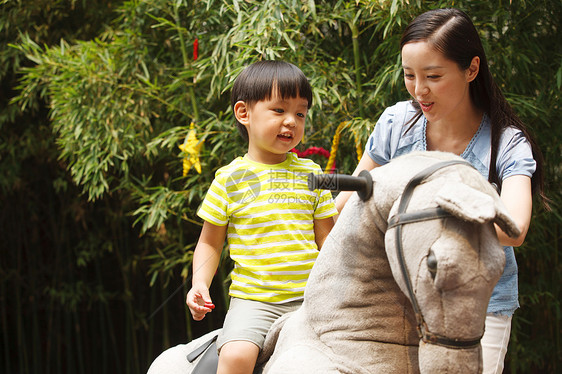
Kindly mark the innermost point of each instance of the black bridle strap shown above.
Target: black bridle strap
(418, 216)
(402, 218)
(420, 177)
(431, 338)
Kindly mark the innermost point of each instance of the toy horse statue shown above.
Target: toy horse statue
(402, 282)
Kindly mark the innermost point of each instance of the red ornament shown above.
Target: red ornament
(314, 151)
(195, 49)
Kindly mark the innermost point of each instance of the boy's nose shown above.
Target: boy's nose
(289, 121)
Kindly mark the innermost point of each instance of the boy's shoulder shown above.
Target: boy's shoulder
(293, 162)
(303, 163)
(228, 169)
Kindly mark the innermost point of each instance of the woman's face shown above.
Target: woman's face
(437, 83)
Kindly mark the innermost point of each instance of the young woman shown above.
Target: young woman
(457, 107)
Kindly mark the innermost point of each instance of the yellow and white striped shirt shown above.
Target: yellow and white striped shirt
(270, 215)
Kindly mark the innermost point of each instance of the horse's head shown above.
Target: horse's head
(446, 258)
(441, 245)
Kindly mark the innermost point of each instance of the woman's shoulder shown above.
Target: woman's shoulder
(511, 132)
(512, 137)
(398, 115)
(395, 117)
(401, 108)
(514, 147)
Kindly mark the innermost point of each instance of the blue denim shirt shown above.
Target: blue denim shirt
(515, 157)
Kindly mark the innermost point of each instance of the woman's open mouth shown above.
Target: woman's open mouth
(425, 106)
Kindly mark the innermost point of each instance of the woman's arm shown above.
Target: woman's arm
(322, 228)
(517, 198)
(366, 163)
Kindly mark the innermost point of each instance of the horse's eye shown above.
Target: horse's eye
(432, 263)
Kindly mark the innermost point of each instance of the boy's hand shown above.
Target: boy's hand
(199, 302)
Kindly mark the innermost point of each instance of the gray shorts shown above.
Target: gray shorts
(250, 320)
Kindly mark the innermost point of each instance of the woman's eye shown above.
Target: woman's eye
(433, 76)
(409, 76)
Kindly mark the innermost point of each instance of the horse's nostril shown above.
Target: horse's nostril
(432, 263)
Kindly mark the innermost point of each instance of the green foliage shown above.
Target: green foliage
(99, 111)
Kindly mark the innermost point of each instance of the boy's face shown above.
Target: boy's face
(275, 126)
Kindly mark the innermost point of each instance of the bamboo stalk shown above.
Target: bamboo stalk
(186, 62)
(102, 329)
(113, 338)
(69, 346)
(187, 314)
(150, 347)
(23, 356)
(59, 242)
(357, 66)
(165, 317)
(52, 345)
(32, 258)
(185, 289)
(5, 330)
(79, 340)
(132, 352)
(556, 330)
(36, 339)
(58, 342)
(107, 329)
(49, 337)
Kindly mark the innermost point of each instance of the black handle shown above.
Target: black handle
(363, 183)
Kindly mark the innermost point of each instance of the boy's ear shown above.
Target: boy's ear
(241, 112)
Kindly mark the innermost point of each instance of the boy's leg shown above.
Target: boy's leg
(238, 357)
(245, 327)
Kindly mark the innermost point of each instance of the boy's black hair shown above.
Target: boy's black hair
(257, 81)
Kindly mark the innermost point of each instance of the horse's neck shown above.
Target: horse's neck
(351, 294)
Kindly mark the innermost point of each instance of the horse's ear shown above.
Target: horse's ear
(472, 205)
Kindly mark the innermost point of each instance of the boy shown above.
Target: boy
(273, 224)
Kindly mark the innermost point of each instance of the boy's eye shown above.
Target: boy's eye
(278, 110)
(302, 115)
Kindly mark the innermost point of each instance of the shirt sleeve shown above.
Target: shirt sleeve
(215, 205)
(516, 155)
(387, 139)
(325, 207)
(378, 145)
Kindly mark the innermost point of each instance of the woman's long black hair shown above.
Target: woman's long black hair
(451, 32)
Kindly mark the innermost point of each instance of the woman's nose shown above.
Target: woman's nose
(421, 88)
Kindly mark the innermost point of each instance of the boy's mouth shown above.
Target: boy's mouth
(285, 136)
